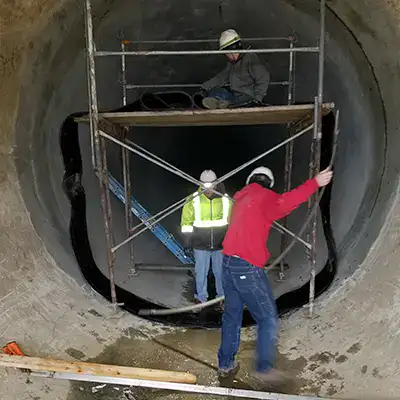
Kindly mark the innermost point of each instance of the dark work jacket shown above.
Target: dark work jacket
(248, 75)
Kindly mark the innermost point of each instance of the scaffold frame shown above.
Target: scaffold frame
(108, 126)
(290, 83)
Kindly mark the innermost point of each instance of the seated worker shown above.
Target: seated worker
(245, 76)
(204, 222)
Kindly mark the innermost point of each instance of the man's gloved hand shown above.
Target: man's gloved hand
(203, 92)
(187, 246)
(188, 252)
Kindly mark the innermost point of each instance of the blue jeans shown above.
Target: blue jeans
(235, 99)
(201, 268)
(246, 284)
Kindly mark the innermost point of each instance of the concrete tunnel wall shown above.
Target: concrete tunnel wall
(374, 25)
(58, 77)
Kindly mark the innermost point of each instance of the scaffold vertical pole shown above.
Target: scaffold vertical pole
(291, 77)
(123, 74)
(126, 171)
(288, 153)
(100, 148)
(91, 128)
(311, 253)
(316, 152)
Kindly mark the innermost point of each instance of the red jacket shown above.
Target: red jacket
(253, 213)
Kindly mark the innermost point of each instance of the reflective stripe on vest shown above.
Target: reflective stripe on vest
(198, 223)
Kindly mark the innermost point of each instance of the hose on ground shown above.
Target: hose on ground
(198, 307)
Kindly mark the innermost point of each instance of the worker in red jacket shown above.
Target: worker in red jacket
(244, 280)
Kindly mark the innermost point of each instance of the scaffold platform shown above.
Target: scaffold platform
(236, 116)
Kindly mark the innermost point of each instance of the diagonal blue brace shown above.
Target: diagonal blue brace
(166, 238)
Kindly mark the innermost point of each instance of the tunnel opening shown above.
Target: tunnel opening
(81, 243)
(347, 73)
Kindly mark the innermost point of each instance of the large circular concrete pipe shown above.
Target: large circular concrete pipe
(356, 80)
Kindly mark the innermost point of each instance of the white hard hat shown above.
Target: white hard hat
(227, 38)
(208, 177)
(263, 171)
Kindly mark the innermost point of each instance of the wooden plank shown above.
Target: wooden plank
(82, 368)
(308, 120)
(238, 116)
(110, 128)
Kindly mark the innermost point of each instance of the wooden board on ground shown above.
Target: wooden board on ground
(82, 368)
(237, 116)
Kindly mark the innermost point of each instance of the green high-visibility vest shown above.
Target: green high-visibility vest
(201, 212)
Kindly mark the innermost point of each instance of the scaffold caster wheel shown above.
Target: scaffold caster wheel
(281, 277)
(133, 272)
(310, 310)
(115, 308)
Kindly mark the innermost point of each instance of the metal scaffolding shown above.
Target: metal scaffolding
(290, 83)
(299, 119)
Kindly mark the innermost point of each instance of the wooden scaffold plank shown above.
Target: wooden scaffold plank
(220, 117)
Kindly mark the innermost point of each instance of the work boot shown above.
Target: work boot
(273, 378)
(197, 301)
(220, 307)
(225, 373)
(212, 103)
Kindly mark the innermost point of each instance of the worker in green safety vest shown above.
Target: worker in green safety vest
(204, 222)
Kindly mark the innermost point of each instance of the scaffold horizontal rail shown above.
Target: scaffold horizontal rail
(185, 85)
(205, 52)
(201, 41)
(237, 116)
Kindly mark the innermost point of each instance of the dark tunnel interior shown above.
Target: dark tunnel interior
(349, 83)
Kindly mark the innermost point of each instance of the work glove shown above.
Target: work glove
(203, 92)
(188, 252)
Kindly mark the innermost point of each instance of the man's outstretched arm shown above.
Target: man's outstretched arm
(289, 201)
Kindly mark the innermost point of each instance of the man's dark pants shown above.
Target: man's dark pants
(245, 284)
